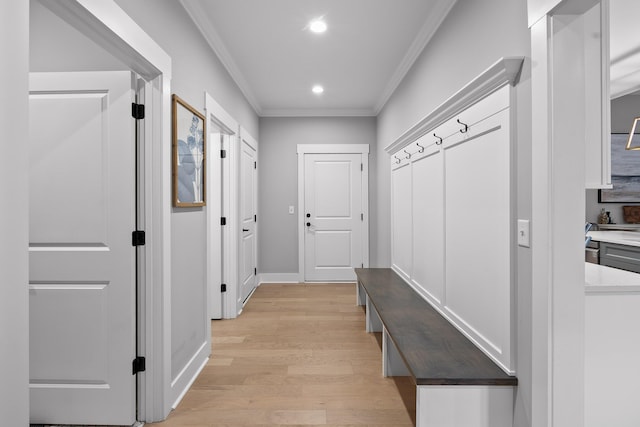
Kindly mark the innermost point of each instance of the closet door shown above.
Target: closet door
(428, 223)
(401, 218)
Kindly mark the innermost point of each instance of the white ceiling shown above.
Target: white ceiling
(368, 48)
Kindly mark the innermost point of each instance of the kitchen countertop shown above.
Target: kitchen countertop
(603, 279)
(630, 238)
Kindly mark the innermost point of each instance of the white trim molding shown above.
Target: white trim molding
(502, 72)
(218, 117)
(278, 278)
(104, 22)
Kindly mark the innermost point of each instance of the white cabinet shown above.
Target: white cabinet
(453, 217)
(597, 102)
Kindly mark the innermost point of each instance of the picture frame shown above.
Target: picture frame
(189, 154)
(625, 173)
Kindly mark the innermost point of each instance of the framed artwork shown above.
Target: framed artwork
(189, 155)
(625, 173)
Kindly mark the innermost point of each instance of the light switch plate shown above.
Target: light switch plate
(523, 233)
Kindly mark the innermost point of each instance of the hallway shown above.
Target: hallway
(298, 355)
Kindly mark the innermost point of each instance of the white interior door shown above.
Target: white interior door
(82, 263)
(248, 216)
(333, 216)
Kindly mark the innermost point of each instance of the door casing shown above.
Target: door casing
(363, 150)
(110, 27)
(217, 238)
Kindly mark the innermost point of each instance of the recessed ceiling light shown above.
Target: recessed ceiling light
(318, 26)
(317, 89)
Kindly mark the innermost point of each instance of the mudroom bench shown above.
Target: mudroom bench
(456, 383)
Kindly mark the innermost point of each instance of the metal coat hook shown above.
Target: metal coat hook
(420, 148)
(408, 154)
(440, 139)
(397, 159)
(466, 127)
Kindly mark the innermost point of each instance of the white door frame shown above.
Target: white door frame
(217, 115)
(558, 200)
(104, 22)
(363, 150)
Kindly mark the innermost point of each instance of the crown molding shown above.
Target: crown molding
(431, 25)
(318, 112)
(502, 72)
(199, 16)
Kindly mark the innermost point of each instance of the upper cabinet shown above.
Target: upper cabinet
(595, 25)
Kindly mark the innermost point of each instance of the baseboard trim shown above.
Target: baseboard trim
(278, 278)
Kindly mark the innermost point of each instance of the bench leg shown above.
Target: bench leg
(392, 363)
(464, 406)
(361, 295)
(374, 324)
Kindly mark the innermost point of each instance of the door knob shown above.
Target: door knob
(308, 224)
(308, 215)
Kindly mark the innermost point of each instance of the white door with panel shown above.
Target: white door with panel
(333, 216)
(82, 269)
(248, 215)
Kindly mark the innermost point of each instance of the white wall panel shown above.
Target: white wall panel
(478, 238)
(401, 234)
(428, 224)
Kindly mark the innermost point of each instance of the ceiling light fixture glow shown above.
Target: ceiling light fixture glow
(317, 89)
(318, 26)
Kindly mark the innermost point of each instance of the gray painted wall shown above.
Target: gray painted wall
(196, 69)
(14, 214)
(472, 37)
(55, 46)
(623, 111)
(278, 180)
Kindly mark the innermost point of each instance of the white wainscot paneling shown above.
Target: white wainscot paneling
(478, 244)
(453, 211)
(428, 223)
(401, 220)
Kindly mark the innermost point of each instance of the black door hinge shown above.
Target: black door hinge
(138, 238)
(223, 154)
(361, 167)
(223, 288)
(255, 165)
(223, 221)
(139, 365)
(137, 111)
(255, 271)
(255, 218)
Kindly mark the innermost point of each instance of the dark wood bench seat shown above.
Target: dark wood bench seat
(433, 350)
(457, 384)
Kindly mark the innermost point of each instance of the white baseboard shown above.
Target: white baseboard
(278, 278)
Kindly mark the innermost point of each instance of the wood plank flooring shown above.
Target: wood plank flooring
(297, 355)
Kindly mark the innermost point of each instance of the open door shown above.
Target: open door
(82, 277)
(248, 215)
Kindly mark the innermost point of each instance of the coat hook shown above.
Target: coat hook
(397, 159)
(466, 127)
(408, 154)
(438, 142)
(420, 148)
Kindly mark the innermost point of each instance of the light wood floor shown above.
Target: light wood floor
(297, 355)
